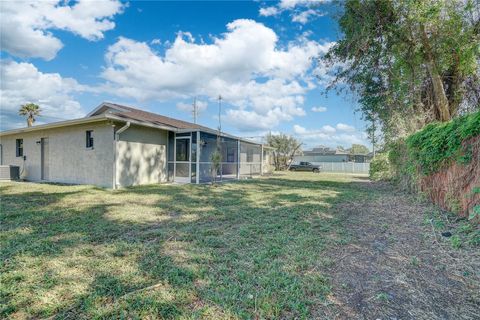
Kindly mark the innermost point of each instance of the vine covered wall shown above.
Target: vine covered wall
(443, 161)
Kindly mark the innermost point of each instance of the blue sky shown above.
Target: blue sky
(159, 55)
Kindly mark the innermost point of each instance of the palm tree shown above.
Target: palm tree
(30, 110)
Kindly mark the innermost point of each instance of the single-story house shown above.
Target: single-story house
(118, 146)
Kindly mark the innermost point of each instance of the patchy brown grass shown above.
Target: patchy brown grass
(290, 246)
(398, 265)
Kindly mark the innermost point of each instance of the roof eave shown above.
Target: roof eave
(53, 125)
(141, 123)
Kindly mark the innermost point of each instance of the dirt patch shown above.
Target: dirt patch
(398, 266)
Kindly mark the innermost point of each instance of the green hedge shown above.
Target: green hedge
(439, 144)
(432, 148)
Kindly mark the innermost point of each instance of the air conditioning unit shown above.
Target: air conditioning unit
(9, 172)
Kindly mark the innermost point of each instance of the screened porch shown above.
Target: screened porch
(189, 157)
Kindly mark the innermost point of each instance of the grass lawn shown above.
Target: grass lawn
(239, 250)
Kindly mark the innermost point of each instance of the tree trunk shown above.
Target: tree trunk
(439, 96)
(290, 159)
(276, 161)
(30, 121)
(455, 86)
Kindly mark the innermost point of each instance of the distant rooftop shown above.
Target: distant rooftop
(323, 150)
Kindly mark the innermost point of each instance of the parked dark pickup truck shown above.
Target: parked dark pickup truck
(305, 166)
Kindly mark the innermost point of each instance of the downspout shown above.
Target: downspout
(115, 139)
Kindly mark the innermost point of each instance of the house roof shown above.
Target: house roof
(130, 113)
(117, 112)
(57, 124)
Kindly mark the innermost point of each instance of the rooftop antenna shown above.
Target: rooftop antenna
(195, 110)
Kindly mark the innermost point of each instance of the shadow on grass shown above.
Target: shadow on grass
(245, 249)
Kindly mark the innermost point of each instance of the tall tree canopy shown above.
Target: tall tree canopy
(410, 62)
(30, 111)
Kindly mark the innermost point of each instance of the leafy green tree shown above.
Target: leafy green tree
(29, 110)
(216, 159)
(410, 62)
(359, 149)
(285, 148)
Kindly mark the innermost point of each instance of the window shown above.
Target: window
(89, 139)
(19, 143)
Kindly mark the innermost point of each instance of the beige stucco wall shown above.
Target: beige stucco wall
(141, 156)
(268, 165)
(69, 161)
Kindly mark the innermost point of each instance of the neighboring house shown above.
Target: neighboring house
(325, 154)
(117, 146)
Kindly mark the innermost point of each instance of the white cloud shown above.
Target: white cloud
(345, 127)
(156, 41)
(328, 129)
(269, 11)
(304, 16)
(302, 10)
(266, 84)
(188, 107)
(299, 129)
(23, 82)
(330, 136)
(290, 4)
(319, 109)
(26, 25)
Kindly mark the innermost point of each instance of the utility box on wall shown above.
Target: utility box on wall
(9, 172)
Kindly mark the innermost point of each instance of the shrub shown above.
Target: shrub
(380, 167)
(403, 170)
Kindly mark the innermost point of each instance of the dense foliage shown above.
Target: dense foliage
(380, 167)
(431, 149)
(285, 148)
(427, 151)
(359, 149)
(410, 62)
(440, 143)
